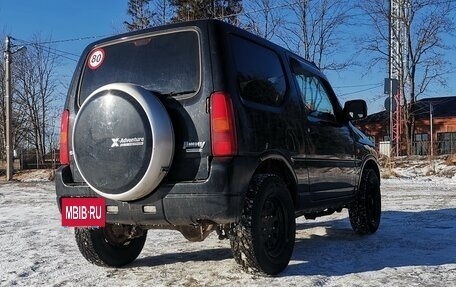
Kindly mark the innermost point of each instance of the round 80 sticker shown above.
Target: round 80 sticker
(96, 58)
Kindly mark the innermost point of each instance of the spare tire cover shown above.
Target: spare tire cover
(123, 141)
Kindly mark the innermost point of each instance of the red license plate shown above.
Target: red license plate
(83, 212)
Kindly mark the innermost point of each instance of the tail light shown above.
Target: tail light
(64, 145)
(223, 130)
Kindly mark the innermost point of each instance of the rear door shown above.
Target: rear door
(168, 63)
(329, 153)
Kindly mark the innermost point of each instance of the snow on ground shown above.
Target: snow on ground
(420, 166)
(414, 246)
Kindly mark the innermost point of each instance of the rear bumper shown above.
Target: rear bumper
(218, 199)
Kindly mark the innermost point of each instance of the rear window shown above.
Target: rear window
(167, 64)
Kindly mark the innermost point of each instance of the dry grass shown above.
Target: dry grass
(32, 175)
(451, 160)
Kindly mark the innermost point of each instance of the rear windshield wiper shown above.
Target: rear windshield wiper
(172, 94)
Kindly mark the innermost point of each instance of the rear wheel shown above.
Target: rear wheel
(365, 211)
(263, 240)
(112, 246)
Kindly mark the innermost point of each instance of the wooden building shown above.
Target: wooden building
(443, 110)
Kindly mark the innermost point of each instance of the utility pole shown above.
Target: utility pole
(9, 145)
(8, 106)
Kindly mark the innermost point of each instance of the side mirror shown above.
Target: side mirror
(355, 110)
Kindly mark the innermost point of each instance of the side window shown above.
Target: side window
(313, 94)
(259, 73)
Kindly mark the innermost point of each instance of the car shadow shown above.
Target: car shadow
(331, 248)
(217, 254)
(424, 238)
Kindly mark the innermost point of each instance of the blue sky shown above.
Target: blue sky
(62, 19)
(76, 19)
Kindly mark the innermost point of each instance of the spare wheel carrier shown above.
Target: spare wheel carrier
(123, 141)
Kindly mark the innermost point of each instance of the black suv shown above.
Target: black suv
(201, 127)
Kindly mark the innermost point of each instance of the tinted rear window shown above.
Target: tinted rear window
(167, 64)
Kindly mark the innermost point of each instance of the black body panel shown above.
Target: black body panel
(217, 199)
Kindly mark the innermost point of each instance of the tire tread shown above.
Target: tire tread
(358, 210)
(241, 238)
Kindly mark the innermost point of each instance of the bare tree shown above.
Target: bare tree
(264, 17)
(421, 62)
(314, 29)
(34, 96)
(226, 10)
(162, 12)
(140, 15)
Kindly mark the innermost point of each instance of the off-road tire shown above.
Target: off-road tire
(101, 247)
(365, 211)
(263, 240)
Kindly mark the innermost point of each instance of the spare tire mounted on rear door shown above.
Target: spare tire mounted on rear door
(123, 141)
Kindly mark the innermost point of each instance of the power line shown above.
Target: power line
(43, 45)
(219, 18)
(59, 54)
(76, 39)
(51, 50)
(356, 86)
(360, 91)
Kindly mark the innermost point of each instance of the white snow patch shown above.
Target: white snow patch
(414, 246)
(419, 166)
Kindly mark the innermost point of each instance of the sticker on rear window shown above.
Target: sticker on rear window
(96, 58)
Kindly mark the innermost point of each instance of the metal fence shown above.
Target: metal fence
(438, 148)
(445, 147)
(30, 160)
